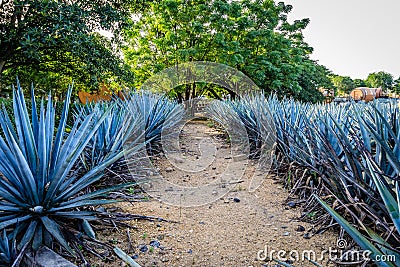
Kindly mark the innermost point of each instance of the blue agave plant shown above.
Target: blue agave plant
(157, 112)
(8, 249)
(355, 151)
(40, 191)
(112, 135)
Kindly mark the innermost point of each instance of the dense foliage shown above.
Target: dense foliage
(253, 37)
(344, 84)
(380, 79)
(53, 43)
(396, 87)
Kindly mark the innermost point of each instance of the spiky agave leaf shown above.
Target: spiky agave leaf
(8, 249)
(38, 188)
(112, 135)
(157, 111)
(389, 194)
(363, 242)
(125, 257)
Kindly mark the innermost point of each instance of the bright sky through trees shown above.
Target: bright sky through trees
(352, 37)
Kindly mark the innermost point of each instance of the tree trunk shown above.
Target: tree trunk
(214, 93)
(2, 63)
(187, 92)
(193, 91)
(180, 98)
(233, 95)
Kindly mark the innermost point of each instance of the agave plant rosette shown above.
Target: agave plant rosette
(158, 113)
(111, 137)
(251, 112)
(8, 249)
(40, 190)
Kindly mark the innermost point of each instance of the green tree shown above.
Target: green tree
(251, 36)
(47, 41)
(359, 83)
(380, 79)
(313, 76)
(396, 87)
(343, 84)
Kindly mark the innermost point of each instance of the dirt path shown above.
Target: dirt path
(227, 232)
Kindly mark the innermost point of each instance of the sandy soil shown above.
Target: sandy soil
(227, 229)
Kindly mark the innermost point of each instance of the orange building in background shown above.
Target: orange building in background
(104, 94)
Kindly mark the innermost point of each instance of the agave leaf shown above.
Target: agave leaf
(38, 238)
(10, 208)
(83, 203)
(384, 121)
(42, 152)
(24, 129)
(54, 230)
(391, 203)
(8, 217)
(364, 132)
(9, 222)
(47, 238)
(127, 259)
(383, 245)
(88, 215)
(89, 178)
(11, 194)
(98, 193)
(88, 229)
(22, 169)
(283, 263)
(363, 242)
(313, 262)
(60, 132)
(28, 234)
(35, 122)
(398, 199)
(389, 153)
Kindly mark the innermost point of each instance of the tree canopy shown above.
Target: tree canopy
(380, 79)
(396, 87)
(359, 83)
(53, 42)
(342, 84)
(251, 36)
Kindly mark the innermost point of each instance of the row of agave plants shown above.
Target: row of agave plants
(48, 172)
(349, 156)
(347, 160)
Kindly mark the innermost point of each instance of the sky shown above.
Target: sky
(352, 37)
